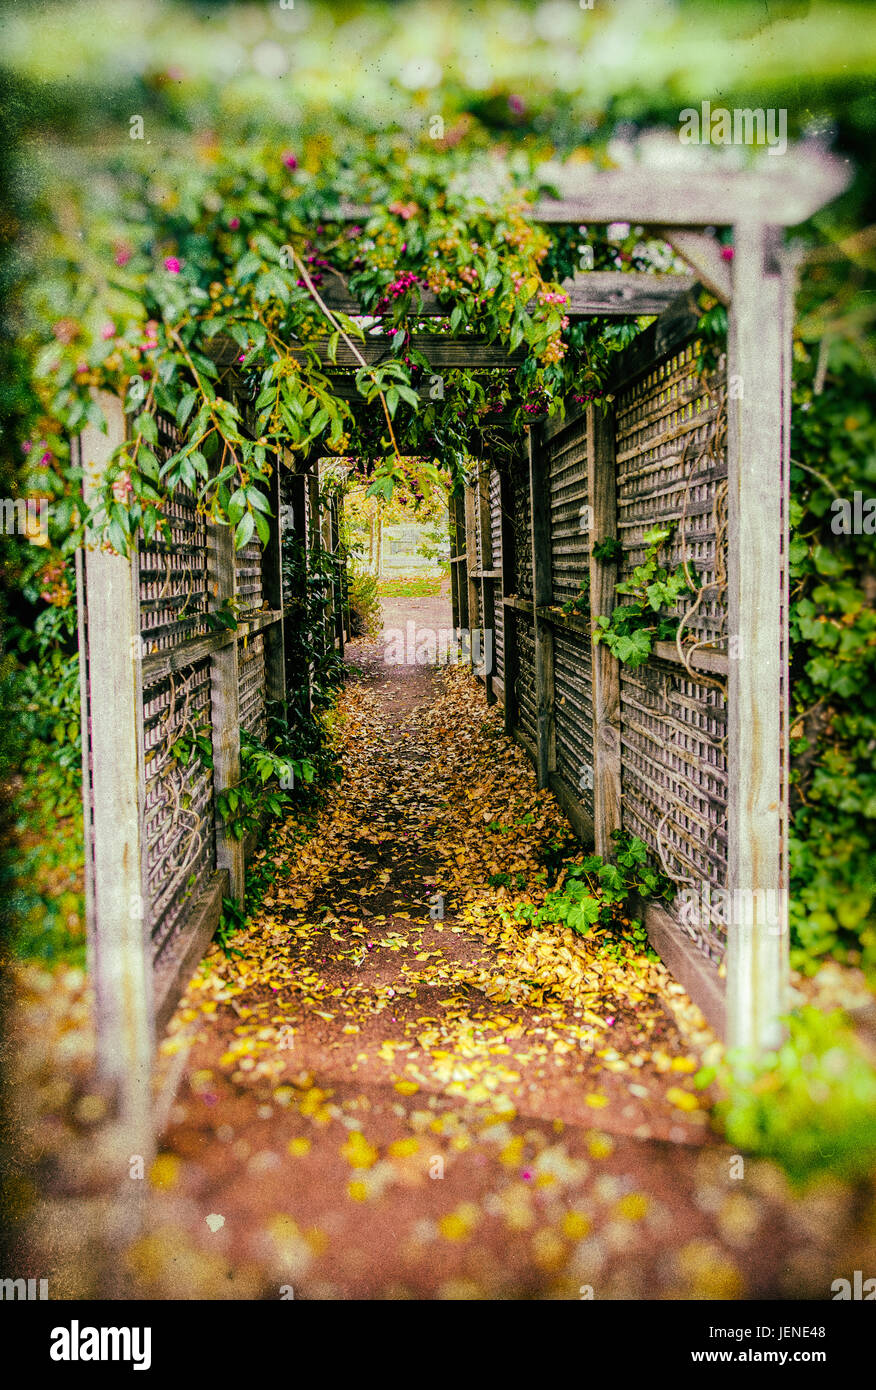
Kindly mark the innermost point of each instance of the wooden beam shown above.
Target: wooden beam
(703, 254)
(441, 350)
(611, 293)
(619, 294)
(602, 498)
(783, 191)
(542, 592)
(758, 344)
(120, 948)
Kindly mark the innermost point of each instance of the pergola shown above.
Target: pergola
(757, 285)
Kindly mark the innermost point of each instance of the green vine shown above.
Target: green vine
(633, 628)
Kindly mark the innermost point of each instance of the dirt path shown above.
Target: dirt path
(379, 1102)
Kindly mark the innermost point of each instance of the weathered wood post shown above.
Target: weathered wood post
(758, 502)
(337, 578)
(471, 561)
(225, 705)
(602, 494)
(119, 946)
(272, 589)
(542, 593)
(488, 610)
(509, 586)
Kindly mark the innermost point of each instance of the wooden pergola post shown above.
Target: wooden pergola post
(119, 946)
(272, 588)
(758, 415)
(542, 593)
(602, 496)
(225, 709)
(471, 562)
(488, 609)
(509, 677)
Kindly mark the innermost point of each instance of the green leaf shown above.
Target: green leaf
(243, 531)
(185, 407)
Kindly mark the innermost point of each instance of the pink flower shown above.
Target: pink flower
(289, 160)
(726, 253)
(172, 264)
(526, 1175)
(234, 223)
(108, 331)
(46, 458)
(123, 253)
(26, 447)
(609, 1021)
(517, 105)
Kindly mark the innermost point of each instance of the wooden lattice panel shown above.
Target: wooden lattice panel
(251, 686)
(174, 595)
(248, 568)
(672, 468)
(573, 715)
(519, 478)
(524, 685)
(570, 550)
(178, 807)
(674, 779)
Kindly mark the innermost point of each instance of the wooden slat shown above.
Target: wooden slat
(601, 491)
(539, 492)
(757, 955)
(120, 948)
